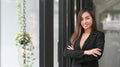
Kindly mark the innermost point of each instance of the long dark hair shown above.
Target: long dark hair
(79, 30)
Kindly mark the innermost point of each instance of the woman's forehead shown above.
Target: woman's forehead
(86, 14)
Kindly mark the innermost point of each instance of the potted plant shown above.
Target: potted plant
(23, 40)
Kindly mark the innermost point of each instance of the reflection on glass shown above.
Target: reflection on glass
(109, 18)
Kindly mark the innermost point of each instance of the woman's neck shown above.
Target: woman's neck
(87, 31)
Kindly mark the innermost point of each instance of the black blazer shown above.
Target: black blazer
(96, 39)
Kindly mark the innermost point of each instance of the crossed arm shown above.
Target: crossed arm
(87, 55)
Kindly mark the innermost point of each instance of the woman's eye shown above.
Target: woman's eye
(87, 18)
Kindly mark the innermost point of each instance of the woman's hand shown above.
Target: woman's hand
(95, 52)
(70, 47)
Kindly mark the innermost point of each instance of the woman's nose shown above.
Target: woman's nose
(85, 21)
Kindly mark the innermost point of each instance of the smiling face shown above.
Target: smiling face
(86, 21)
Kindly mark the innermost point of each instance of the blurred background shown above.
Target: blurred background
(51, 23)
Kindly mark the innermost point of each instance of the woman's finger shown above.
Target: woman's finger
(98, 49)
(70, 48)
(97, 52)
(94, 55)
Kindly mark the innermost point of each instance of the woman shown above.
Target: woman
(87, 43)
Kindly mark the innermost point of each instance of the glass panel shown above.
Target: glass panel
(108, 18)
(10, 27)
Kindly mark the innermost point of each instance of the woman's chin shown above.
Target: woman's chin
(85, 28)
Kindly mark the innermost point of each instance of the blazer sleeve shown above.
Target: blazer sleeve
(99, 44)
(73, 53)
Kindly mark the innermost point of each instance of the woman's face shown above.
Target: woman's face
(86, 21)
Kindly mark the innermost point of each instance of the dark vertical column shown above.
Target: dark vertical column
(70, 25)
(62, 33)
(88, 4)
(77, 7)
(84, 4)
(46, 33)
(71, 13)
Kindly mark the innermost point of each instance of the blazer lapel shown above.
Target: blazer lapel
(91, 37)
